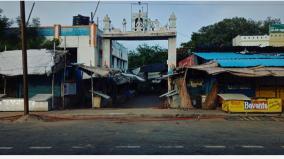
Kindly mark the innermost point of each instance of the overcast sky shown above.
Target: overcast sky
(190, 15)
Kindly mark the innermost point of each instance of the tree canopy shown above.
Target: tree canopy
(4, 24)
(217, 35)
(221, 33)
(10, 37)
(145, 54)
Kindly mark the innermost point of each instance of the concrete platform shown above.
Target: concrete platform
(17, 104)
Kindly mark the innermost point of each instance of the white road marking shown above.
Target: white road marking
(77, 147)
(40, 147)
(6, 148)
(130, 147)
(215, 146)
(252, 146)
(82, 147)
(175, 146)
(89, 145)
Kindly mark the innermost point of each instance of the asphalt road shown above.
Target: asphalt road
(119, 137)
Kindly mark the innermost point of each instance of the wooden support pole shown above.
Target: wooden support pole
(4, 85)
(211, 97)
(184, 95)
(64, 73)
(52, 91)
(63, 90)
(24, 58)
(92, 86)
(52, 82)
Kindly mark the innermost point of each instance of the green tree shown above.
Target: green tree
(5, 23)
(11, 39)
(34, 39)
(221, 33)
(266, 23)
(145, 54)
(183, 52)
(49, 44)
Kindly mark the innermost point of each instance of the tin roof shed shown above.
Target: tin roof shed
(40, 62)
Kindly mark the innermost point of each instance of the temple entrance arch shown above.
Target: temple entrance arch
(142, 29)
(169, 36)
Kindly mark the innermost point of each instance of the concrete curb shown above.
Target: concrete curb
(163, 115)
(194, 116)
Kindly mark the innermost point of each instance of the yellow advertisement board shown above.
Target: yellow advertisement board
(271, 105)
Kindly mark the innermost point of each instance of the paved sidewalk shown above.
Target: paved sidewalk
(135, 112)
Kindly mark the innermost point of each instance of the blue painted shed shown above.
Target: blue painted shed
(231, 59)
(232, 55)
(251, 63)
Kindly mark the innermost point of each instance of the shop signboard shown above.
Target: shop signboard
(254, 105)
(69, 88)
(152, 75)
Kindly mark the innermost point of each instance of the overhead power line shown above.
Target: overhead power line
(93, 14)
(192, 3)
(30, 13)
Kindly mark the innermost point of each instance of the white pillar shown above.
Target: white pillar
(106, 53)
(172, 55)
(172, 58)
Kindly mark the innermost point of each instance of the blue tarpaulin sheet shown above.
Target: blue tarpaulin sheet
(232, 55)
(251, 63)
(231, 59)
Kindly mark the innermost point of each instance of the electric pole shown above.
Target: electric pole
(24, 57)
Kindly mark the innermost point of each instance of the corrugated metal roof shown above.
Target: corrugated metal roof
(39, 62)
(228, 96)
(41, 97)
(233, 55)
(251, 62)
(212, 68)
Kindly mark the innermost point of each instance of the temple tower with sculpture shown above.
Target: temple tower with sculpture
(142, 28)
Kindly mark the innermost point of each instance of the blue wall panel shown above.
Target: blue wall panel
(46, 31)
(76, 31)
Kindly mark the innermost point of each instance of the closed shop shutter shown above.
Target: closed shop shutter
(267, 92)
(281, 93)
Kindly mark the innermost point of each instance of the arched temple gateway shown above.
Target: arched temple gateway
(142, 28)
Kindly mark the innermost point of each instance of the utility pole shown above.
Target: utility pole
(24, 57)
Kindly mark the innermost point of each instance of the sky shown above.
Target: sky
(191, 15)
